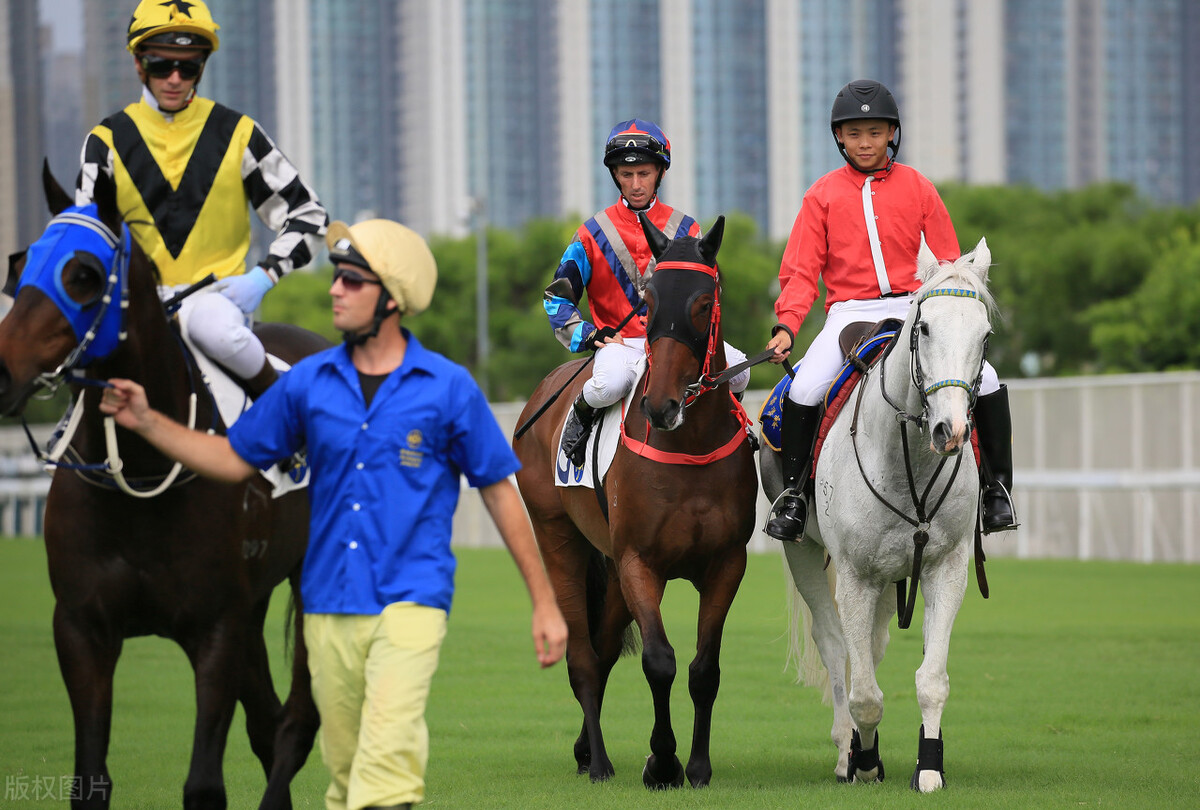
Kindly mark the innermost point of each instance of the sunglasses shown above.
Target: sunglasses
(351, 281)
(160, 67)
(635, 141)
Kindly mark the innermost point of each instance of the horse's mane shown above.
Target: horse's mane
(960, 272)
(155, 274)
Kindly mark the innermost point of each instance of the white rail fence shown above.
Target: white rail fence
(1106, 469)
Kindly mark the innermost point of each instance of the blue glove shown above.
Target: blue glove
(246, 290)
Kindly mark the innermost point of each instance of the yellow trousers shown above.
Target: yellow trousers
(370, 680)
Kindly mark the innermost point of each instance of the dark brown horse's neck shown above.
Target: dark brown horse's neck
(151, 354)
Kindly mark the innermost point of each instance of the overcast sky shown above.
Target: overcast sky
(65, 17)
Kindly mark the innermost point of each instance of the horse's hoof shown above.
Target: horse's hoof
(600, 774)
(927, 781)
(653, 783)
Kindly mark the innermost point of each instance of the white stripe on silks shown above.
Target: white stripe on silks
(885, 286)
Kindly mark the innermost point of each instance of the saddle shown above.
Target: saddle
(862, 344)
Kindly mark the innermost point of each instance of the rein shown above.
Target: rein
(920, 503)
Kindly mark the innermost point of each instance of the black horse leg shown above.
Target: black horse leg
(257, 694)
(87, 659)
(217, 664)
(298, 729)
(609, 644)
(643, 593)
(716, 596)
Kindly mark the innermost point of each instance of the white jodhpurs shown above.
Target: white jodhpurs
(219, 329)
(615, 367)
(824, 357)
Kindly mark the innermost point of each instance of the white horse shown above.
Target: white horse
(892, 478)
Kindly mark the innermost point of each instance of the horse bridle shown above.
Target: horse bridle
(116, 278)
(917, 374)
(117, 275)
(703, 345)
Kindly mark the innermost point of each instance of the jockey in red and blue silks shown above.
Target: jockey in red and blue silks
(610, 260)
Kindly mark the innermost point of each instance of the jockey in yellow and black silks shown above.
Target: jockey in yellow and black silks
(187, 171)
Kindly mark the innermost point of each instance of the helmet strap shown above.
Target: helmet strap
(381, 313)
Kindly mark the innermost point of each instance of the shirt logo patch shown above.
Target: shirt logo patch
(412, 455)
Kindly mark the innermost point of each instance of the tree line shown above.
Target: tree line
(1097, 280)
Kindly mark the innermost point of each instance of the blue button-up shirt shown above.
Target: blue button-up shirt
(384, 479)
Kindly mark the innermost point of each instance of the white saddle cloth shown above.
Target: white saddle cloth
(232, 401)
(606, 432)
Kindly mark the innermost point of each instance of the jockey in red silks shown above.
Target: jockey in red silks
(859, 230)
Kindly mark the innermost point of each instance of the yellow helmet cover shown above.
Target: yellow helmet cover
(191, 21)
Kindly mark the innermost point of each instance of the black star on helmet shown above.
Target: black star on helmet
(184, 7)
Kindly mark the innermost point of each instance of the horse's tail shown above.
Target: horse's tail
(802, 650)
(597, 590)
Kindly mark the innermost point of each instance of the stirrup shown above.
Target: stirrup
(996, 491)
(789, 515)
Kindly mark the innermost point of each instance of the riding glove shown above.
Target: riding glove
(246, 290)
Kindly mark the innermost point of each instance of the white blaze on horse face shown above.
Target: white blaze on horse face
(951, 347)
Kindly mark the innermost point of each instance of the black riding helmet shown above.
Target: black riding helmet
(864, 98)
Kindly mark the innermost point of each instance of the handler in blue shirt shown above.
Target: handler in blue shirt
(389, 428)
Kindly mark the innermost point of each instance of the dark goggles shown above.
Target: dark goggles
(352, 281)
(160, 67)
(635, 140)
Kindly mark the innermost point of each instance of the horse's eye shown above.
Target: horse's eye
(924, 328)
(83, 278)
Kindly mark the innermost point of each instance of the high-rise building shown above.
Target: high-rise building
(22, 209)
(447, 113)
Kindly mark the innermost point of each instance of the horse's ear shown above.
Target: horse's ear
(981, 259)
(657, 240)
(710, 243)
(57, 199)
(927, 263)
(104, 192)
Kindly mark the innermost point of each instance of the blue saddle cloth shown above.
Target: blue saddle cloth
(771, 415)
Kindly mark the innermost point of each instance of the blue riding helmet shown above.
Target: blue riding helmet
(637, 141)
(78, 233)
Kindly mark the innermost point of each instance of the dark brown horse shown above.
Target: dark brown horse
(679, 498)
(196, 563)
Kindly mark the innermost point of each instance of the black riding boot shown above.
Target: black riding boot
(994, 423)
(577, 429)
(255, 386)
(789, 512)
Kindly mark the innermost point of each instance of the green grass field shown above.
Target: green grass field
(1075, 685)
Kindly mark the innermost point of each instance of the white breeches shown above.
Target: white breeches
(222, 332)
(614, 371)
(824, 357)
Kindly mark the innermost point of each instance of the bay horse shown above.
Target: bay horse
(677, 503)
(866, 514)
(197, 562)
